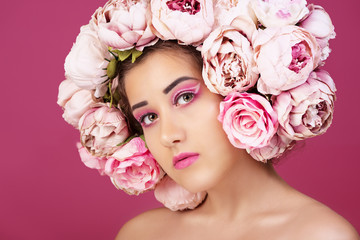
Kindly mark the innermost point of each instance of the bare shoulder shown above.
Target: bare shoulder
(317, 221)
(148, 225)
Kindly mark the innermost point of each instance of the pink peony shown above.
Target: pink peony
(91, 161)
(175, 197)
(226, 11)
(180, 19)
(285, 57)
(86, 63)
(278, 13)
(102, 129)
(123, 24)
(248, 120)
(132, 168)
(319, 24)
(229, 59)
(277, 146)
(307, 110)
(74, 101)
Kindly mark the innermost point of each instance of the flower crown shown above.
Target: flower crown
(263, 56)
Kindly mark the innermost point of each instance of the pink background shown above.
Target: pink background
(46, 191)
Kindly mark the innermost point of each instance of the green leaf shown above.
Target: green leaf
(111, 95)
(116, 51)
(131, 138)
(116, 96)
(135, 55)
(111, 70)
(107, 97)
(143, 138)
(124, 54)
(127, 140)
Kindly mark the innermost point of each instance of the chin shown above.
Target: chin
(200, 181)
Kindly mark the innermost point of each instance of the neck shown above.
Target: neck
(249, 187)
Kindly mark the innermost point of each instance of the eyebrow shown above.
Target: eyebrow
(138, 105)
(176, 82)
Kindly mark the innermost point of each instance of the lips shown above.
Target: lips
(184, 160)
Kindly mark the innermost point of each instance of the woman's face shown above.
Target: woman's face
(178, 115)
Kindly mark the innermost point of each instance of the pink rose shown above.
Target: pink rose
(74, 101)
(91, 161)
(132, 168)
(278, 13)
(86, 63)
(277, 146)
(248, 120)
(226, 11)
(285, 57)
(102, 129)
(123, 24)
(307, 110)
(319, 24)
(175, 197)
(180, 19)
(229, 59)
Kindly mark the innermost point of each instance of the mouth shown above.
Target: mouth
(184, 160)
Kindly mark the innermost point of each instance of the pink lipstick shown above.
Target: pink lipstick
(184, 160)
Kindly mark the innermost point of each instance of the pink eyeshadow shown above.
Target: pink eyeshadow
(140, 114)
(189, 87)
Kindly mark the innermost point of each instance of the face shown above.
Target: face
(178, 115)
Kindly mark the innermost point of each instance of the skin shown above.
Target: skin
(246, 199)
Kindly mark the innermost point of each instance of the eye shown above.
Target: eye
(148, 119)
(184, 98)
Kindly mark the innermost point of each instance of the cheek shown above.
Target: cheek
(205, 117)
(151, 142)
(212, 132)
(157, 150)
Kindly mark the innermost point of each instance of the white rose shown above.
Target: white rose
(319, 24)
(74, 101)
(227, 10)
(277, 13)
(86, 63)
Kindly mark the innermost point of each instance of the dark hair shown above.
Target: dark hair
(125, 66)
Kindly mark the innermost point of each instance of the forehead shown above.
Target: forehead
(156, 72)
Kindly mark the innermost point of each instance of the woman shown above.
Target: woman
(242, 194)
(169, 95)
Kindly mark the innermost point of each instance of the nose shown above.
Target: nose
(172, 132)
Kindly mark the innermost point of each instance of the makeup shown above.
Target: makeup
(192, 88)
(144, 117)
(138, 105)
(187, 88)
(174, 83)
(184, 160)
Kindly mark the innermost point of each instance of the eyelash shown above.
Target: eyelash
(191, 90)
(182, 94)
(142, 119)
(175, 102)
